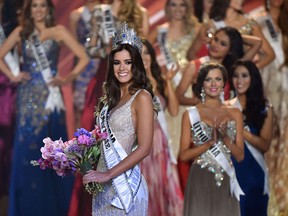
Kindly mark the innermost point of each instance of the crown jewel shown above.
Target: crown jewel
(125, 35)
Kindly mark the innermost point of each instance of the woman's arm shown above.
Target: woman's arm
(145, 22)
(61, 34)
(188, 77)
(152, 37)
(143, 108)
(74, 18)
(187, 152)
(254, 44)
(266, 51)
(263, 141)
(173, 104)
(199, 40)
(13, 39)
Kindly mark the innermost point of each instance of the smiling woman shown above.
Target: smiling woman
(216, 132)
(122, 66)
(40, 108)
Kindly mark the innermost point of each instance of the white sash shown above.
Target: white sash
(9, 59)
(258, 156)
(168, 58)
(86, 16)
(105, 21)
(163, 124)
(126, 184)
(215, 152)
(54, 100)
(219, 24)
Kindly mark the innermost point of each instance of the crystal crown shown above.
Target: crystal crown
(126, 35)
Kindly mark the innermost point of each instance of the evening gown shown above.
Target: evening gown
(202, 196)
(275, 76)
(165, 194)
(34, 191)
(122, 125)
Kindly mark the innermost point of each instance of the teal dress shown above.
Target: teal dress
(34, 191)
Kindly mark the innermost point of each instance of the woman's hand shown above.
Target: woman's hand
(60, 81)
(96, 176)
(171, 73)
(22, 77)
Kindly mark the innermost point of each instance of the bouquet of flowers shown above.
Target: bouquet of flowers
(80, 154)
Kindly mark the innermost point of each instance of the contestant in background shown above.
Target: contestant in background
(81, 28)
(229, 13)
(159, 167)
(216, 131)
(226, 47)
(252, 172)
(174, 37)
(40, 109)
(273, 21)
(8, 21)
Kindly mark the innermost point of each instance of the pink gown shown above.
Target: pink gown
(165, 194)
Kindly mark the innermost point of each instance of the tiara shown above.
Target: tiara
(125, 35)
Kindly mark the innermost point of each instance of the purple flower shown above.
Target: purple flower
(83, 139)
(82, 131)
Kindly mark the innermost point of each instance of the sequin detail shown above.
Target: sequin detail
(33, 94)
(205, 160)
(122, 125)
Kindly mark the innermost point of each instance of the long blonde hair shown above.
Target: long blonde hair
(131, 13)
(190, 21)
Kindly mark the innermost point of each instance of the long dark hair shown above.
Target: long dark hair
(202, 74)
(282, 22)
(236, 50)
(9, 16)
(254, 112)
(111, 87)
(198, 9)
(218, 9)
(27, 21)
(155, 68)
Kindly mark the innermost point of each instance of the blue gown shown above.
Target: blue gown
(34, 191)
(251, 179)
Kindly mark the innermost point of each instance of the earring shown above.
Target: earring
(221, 96)
(48, 17)
(202, 95)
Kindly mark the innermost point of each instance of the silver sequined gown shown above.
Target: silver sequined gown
(122, 125)
(202, 196)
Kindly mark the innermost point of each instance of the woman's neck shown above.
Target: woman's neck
(233, 14)
(212, 103)
(218, 60)
(39, 26)
(242, 99)
(90, 5)
(116, 5)
(275, 12)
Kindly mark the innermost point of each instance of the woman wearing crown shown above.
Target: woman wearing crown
(126, 113)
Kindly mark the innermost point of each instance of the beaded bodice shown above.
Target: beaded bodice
(34, 93)
(122, 126)
(179, 48)
(206, 160)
